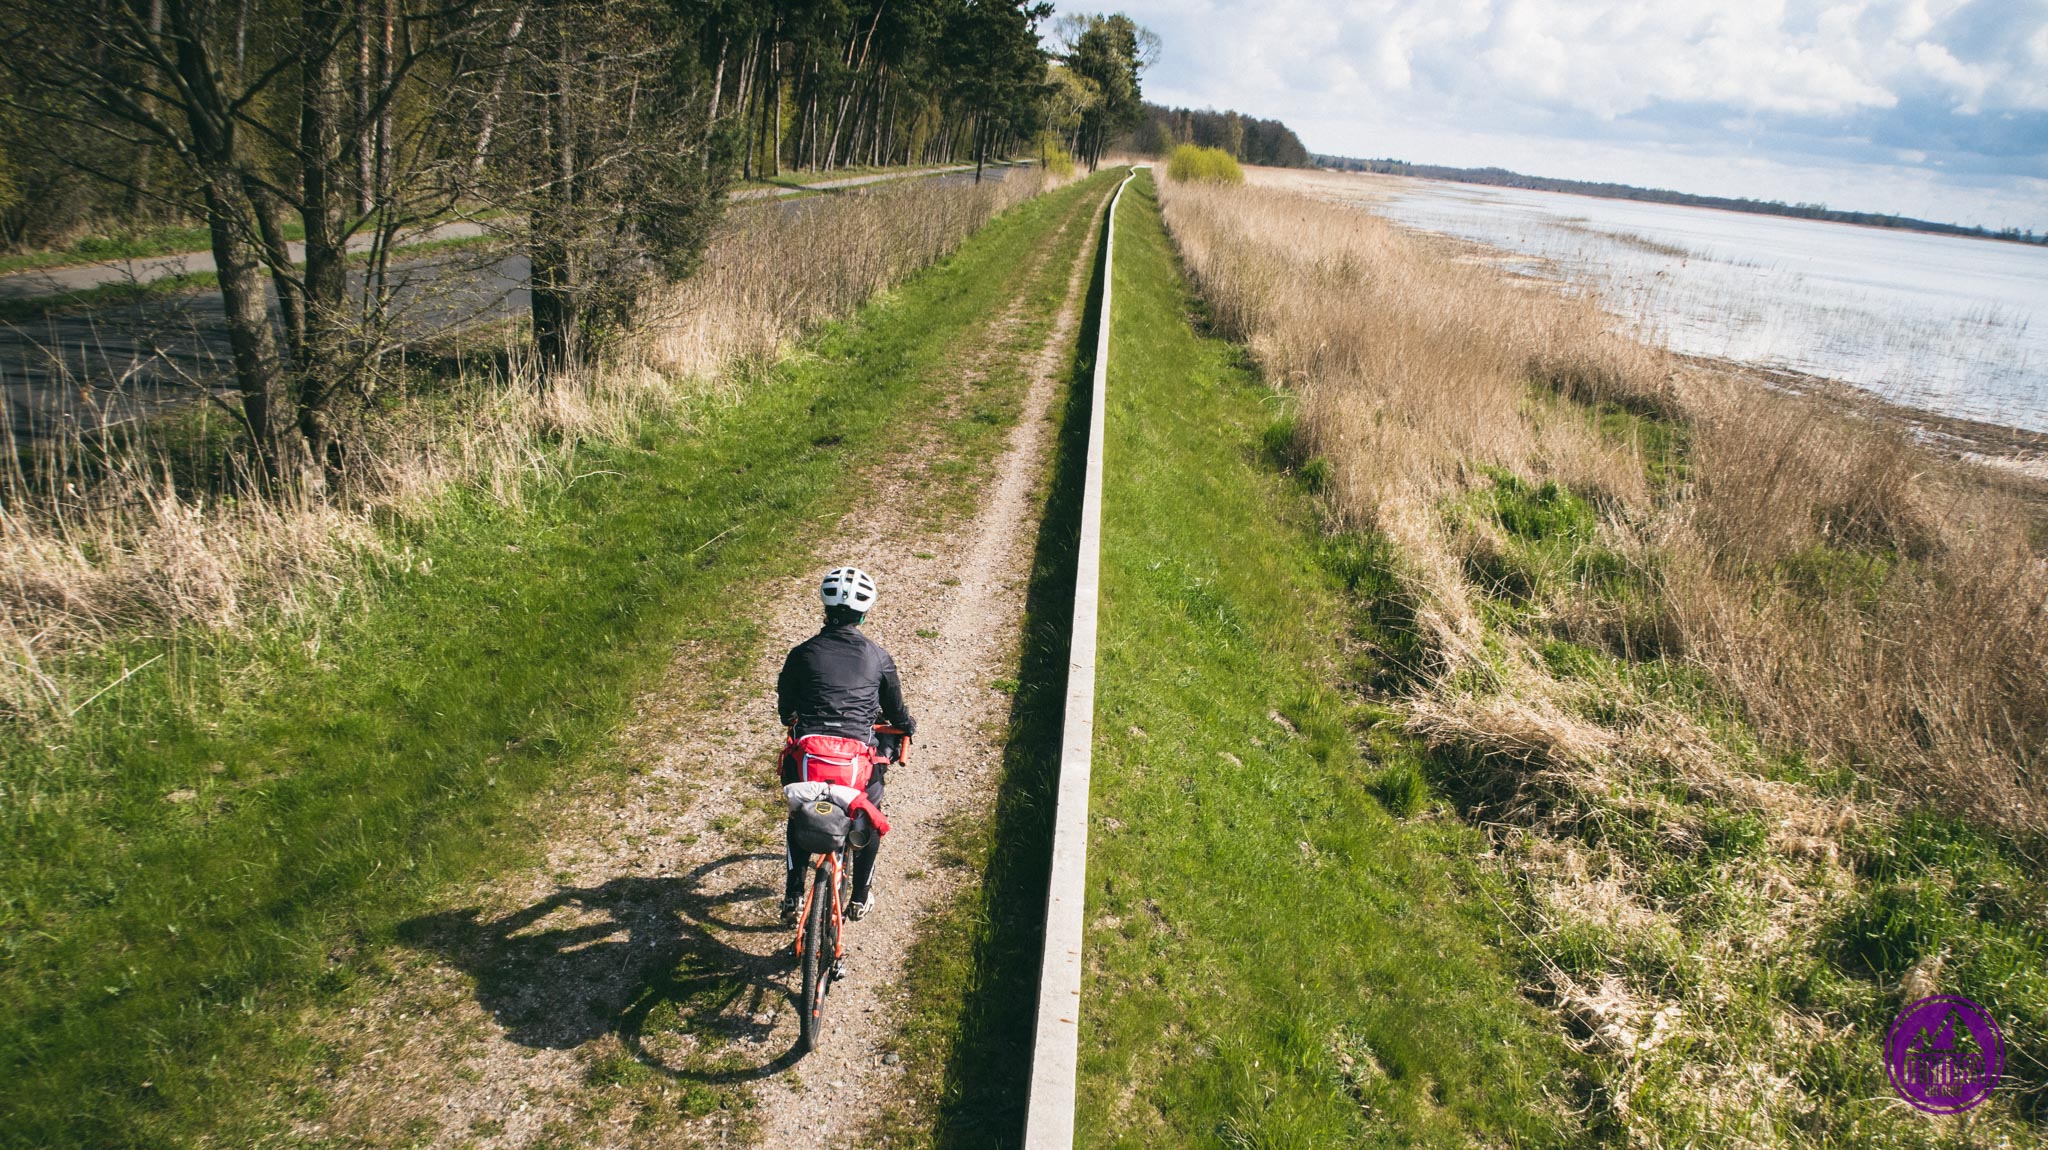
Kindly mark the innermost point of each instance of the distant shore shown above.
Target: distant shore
(1503, 178)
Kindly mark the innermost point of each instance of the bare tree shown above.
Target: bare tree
(619, 178)
(153, 74)
(248, 98)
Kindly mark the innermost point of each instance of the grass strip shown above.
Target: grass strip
(108, 295)
(170, 240)
(1783, 922)
(163, 241)
(222, 841)
(810, 181)
(131, 291)
(1273, 959)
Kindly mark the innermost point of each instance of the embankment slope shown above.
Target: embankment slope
(1272, 957)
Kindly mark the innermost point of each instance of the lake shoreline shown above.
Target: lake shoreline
(1906, 316)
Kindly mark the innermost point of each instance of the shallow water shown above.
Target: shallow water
(1948, 324)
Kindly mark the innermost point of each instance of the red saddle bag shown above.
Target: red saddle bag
(832, 759)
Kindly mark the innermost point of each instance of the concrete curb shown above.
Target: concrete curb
(1049, 1114)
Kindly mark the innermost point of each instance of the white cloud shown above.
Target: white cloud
(1855, 85)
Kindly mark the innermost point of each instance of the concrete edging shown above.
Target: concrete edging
(1049, 1112)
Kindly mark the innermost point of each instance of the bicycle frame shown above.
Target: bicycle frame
(835, 863)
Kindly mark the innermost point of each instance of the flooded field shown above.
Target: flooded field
(1951, 325)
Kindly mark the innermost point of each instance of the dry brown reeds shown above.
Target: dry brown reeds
(101, 536)
(1861, 598)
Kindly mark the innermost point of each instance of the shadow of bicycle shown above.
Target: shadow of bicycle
(690, 988)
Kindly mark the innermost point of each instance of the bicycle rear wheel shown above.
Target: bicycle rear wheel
(821, 942)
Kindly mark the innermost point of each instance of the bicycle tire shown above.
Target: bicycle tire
(817, 957)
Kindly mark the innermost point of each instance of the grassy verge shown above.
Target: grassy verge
(803, 181)
(147, 244)
(1683, 651)
(1274, 959)
(191, 283)
(108, 295)
(163, 241)
(1729, 926)
(235, 831)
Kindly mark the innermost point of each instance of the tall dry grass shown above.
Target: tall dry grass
(100, 538)
(1859, 597)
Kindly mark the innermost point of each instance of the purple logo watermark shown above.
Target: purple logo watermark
(1944, 1054)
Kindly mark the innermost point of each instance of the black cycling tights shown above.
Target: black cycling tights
(863, 857)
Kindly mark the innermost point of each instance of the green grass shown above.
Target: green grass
(801, 181)
(1799, 998)
(160, 241)
(108, 295)
(343, 770)
(168, 240)
(1195, 164)
(1274, 959)
(189, 283)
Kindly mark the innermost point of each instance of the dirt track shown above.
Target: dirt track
(646, 963)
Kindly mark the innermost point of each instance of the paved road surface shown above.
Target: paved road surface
(56, 281)
(112, 364)
(79, 277)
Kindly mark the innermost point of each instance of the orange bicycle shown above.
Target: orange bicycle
(820, 922)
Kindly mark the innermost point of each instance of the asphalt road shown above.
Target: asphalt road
(109, 365)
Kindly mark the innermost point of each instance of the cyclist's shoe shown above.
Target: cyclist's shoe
(861, 908)
(790, 904)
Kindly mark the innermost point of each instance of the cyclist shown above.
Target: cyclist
(833, 689)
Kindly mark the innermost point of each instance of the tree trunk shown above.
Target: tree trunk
(490, 120)
(885, 138)
(386, 143)
(554, 273)
(850, 100)
(277, 255)
(145, 156)
(323, 190)
(775, 99)
(718, 78)
(264, 403)
(746, 99)
(366, 162)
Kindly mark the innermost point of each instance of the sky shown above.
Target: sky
(1930, 108)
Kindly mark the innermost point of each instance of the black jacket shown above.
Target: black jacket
(840, 682)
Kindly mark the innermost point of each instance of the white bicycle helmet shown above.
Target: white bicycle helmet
(848, 587)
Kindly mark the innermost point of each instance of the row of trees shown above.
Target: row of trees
(599, 136)
(1269, 143)
(828, 84)
(892, 82)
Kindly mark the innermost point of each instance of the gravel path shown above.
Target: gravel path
(974, 585)
(645, 961)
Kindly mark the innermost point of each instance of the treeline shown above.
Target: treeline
(816, 86)
(1501, 177)
(1248, 139)
(597, 137)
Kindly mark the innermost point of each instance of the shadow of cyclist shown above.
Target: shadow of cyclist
(652, 960)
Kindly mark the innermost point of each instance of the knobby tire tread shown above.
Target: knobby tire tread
(817, 958)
